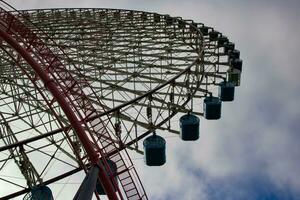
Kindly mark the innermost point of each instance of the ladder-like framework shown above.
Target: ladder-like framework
(70, 95)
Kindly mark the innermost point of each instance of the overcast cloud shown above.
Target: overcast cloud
(252, 153)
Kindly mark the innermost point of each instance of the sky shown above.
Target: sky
(253, 151)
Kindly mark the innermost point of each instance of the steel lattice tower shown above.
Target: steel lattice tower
(79, 87)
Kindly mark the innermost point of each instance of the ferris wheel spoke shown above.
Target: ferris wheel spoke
(32, 176)
(12, 183)
(32, 108)
(52, 156)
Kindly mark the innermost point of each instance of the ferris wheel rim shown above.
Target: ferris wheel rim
(145, 95)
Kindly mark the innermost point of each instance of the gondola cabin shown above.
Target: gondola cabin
(234, 76)
(226, 91)
(40, 193)
(213, 35)
(222, 40)
(154, 150)
(189, 127)
(212, 108)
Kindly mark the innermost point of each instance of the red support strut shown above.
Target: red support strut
(51, 85)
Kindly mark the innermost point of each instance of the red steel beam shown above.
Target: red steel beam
(60, 98)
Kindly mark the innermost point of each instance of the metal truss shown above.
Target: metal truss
(123, 73)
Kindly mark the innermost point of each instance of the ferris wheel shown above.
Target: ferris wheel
(82, 88)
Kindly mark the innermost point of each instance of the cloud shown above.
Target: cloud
(246, 187)
(258, 134)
